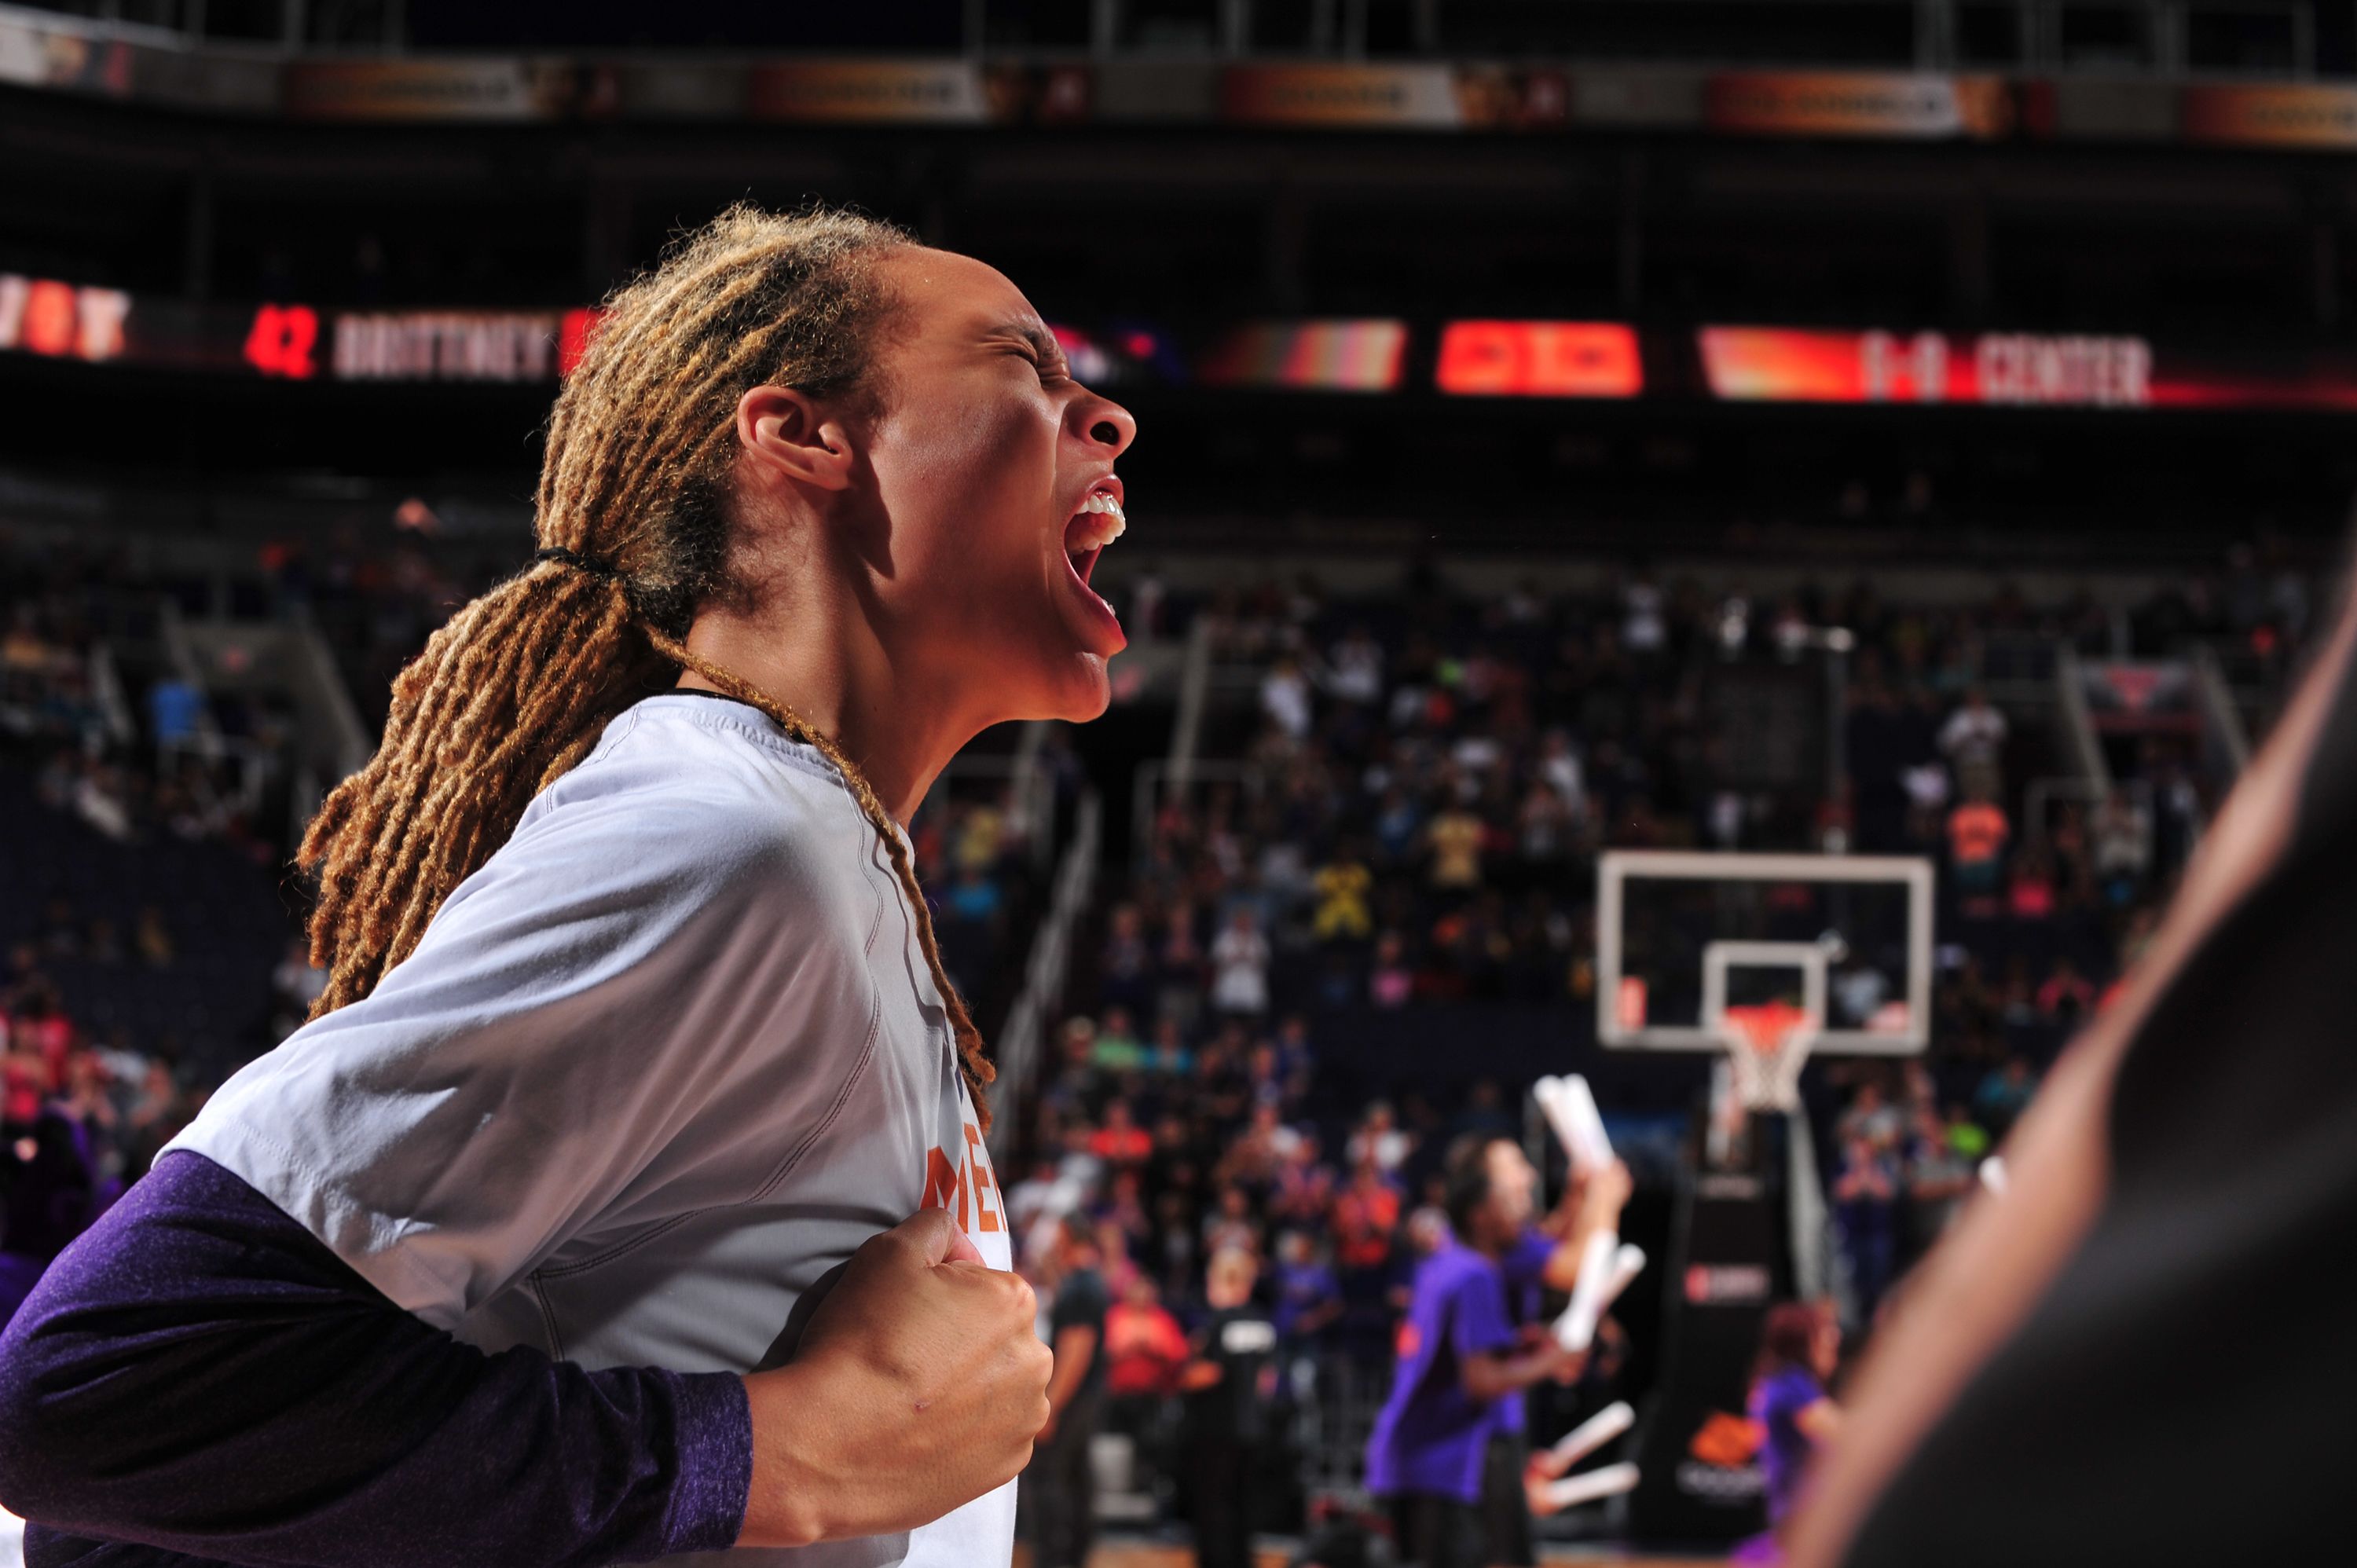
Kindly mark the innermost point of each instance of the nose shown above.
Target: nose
(1100, 421)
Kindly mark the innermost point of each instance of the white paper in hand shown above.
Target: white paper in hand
(1594, 1432)
(1608, 1480)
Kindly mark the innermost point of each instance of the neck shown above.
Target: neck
(817, 651)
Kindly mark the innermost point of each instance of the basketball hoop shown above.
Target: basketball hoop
(1767, 1045)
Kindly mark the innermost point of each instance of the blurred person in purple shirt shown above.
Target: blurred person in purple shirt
(1799, 1345)
(1462, 1364)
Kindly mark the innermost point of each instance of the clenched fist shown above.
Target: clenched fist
(918, 1386)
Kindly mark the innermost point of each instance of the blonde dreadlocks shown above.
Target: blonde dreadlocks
(632, 522)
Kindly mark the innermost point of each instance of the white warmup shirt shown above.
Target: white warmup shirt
(668, 1057)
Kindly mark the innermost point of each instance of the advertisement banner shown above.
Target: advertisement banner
(905, 92)
(1859, 103)
(407, 90)
(1309, 355)
(1496, 98)
(1540, 359)
(48, 56)
(2284, 115)
(42, 316)
(1401, 97)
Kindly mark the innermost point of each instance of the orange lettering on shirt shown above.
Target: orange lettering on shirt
(978, 1161)
(944, 1184)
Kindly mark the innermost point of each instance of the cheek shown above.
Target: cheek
(981, 478)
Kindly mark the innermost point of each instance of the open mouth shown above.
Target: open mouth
(1098, 523)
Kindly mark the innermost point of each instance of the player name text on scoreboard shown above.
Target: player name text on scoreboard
(445, 346)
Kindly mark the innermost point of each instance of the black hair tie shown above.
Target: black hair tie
(580, 562)
(597, 567)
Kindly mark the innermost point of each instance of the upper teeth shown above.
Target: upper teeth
(1104, 533)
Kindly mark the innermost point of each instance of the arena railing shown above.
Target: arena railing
(1021, 1038)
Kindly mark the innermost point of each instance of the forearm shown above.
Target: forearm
(200, 1374)
(1494, 1376)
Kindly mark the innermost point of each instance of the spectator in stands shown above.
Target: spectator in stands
(1940, 1176)
(1366, 1224)
(1354, 668)
(1240, 960)
(1231, 1386)
(1380, 1140)
(1973, 740)
(1306, 1295)
(1977, 833)
(1304, 1193)
(2003, 1095)
(158, 1114)
(1343, 886)
(1125, 966)
(1064, 1496)
(975, 899)
(1644, 628)
(2121, 837)
(1391, 983)
(1285, 699)
(1865, 1207)
(48, 1191)
(1263, 1150)
(1121, 1143)
(85, 1101)
(2031, 893)
(1455, 837)
(1169, 1055)
(1230, 1227)
(2065, 997)
(174, 708)
(1117, 1049)
(1870, 1117)
(1145, 1348)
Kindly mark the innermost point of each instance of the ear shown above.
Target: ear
(795, 436)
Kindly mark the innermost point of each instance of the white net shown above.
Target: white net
(1767, 1047)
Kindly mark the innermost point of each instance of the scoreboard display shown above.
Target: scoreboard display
(282, 340)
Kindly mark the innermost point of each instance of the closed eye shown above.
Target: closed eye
(1038, 346)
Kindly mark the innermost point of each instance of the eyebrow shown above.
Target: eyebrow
(1043, 342)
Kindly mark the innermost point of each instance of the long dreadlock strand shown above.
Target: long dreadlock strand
(978, 1067)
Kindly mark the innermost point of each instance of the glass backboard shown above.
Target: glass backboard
(1682, 934)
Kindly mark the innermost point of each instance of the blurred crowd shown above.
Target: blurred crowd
(1429, 780)
(1413, 789)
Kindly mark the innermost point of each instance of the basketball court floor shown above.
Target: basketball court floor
(1139, 1554)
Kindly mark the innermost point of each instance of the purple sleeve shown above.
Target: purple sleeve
(1479, 1322)
(200, 1375)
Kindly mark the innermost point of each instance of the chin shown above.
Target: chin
(1086, 692)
